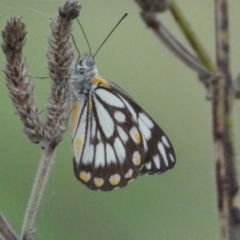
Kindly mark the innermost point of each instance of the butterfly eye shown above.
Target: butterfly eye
(90, 62)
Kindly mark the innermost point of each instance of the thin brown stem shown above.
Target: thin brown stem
(36, 194)
(5, 230)
(226, 174)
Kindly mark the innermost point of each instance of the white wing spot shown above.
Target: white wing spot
(99, 135)
(119, 116)
(165, 141)
(156, 160)
(148, 165)
(129, 174)
(109, 98)
(130, 109)
(88, 151)
(146, 120)
(163, 153)
(99, 155)
(145, 146)
(111, 158)
(136, 158)
(105, 119)
(123, 135)
(135, 135)
(93, 131)
(145, 130)
(171, 157)
(120, 150)
(91, 153)
(88, 154)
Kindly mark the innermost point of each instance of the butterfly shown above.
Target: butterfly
(113, 139)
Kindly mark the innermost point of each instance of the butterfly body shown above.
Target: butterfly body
(113, 139)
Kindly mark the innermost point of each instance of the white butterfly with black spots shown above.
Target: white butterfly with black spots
(113, 139)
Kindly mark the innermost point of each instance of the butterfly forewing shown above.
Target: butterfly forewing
(159, 152)
(114, 140)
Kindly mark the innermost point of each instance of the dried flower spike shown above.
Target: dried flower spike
(60, 58)
(18, 83)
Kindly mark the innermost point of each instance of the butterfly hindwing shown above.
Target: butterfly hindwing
(114, 140)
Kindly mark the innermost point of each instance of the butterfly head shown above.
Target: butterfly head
(86, 67)
(83, 72)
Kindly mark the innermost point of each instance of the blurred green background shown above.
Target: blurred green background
(178, 205)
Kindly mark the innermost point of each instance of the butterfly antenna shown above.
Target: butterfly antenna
(85, 36)
(110, 34)
(79, 54)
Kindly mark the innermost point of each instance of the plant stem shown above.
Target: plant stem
(176, 47)
(191, 37)
(37, 192)
(5, 230)
(226, 174)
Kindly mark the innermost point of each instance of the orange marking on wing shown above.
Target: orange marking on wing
(90, 104)
(137, 160)
(84, 176)
(74, 115)
(115, 179)
(98, 182)
(129, 174)
(137, 137)
(78, 143)
(98, 80)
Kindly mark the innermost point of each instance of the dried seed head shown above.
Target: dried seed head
(69, 11)
(14, 36)
(60, 58)
(17, 81)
